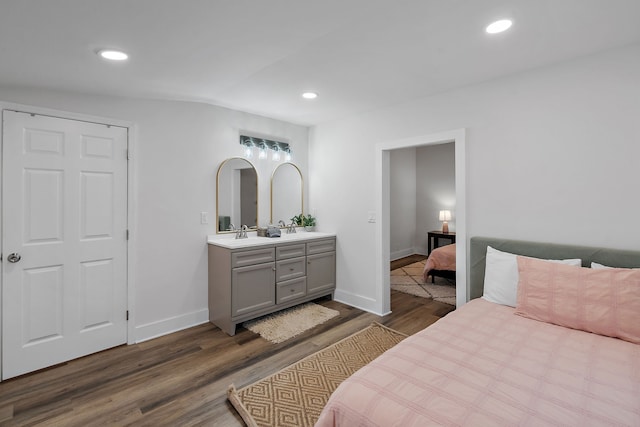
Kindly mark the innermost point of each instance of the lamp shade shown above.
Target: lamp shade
(445, 215)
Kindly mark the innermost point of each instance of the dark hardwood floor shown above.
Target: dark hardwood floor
(403, 262)
(181, 379)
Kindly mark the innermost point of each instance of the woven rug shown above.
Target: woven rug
(279, 327)
(410, 281)
(296, 395)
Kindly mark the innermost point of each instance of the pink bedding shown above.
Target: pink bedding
(442, 258)
(482, 365)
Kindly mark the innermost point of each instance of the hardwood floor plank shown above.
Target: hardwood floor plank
(182, 379)
(403, 262)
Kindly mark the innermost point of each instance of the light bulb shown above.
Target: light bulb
(498, 26)
(263, 153)
(276, 156)
(287, 156)
(113, 55)
(248, 151)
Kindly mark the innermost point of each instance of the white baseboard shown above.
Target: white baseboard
(358, 301)
(400, 254)
(419, 250)
(407, 252)
(170, 325)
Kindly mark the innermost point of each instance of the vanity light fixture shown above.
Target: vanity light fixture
(499, 26)
(113, 55)
(309, 95)
(263, 152)
(248, 151)
(278, 148)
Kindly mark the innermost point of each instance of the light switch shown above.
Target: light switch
(204, 217)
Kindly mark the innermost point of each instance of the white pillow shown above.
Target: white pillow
(597, 266)
(501, 276)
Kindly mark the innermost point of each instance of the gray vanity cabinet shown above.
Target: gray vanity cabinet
(250, 282)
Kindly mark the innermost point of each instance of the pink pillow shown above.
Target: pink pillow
(605, 302)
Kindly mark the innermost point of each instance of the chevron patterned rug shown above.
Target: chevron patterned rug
(408, 279)
(296, 395)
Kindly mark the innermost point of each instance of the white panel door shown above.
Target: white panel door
(64, 221)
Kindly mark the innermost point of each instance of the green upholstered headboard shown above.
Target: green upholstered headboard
(478, 252)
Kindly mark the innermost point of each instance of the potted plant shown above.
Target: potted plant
(308, 221)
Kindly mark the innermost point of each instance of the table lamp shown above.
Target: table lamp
(444, 217)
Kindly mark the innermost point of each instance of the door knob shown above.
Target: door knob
(14, 257)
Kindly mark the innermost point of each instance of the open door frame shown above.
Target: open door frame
(383, 258)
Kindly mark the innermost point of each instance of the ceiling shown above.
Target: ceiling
(260, 55)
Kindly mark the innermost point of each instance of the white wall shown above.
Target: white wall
(179, 147)
(402, 182)
(552, 155)
(435, 190)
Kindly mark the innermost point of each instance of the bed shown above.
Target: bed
(441, 262)
(484, 365)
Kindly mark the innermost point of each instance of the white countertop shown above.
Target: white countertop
(230, 242)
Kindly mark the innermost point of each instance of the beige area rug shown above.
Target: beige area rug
(296, 395)
(283, 325)
(409, 280)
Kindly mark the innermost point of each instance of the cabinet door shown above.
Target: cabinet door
(321, 272)
(252, 288)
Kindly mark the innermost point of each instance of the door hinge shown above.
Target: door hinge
(127, 234)
(127, 314)
(128, 154)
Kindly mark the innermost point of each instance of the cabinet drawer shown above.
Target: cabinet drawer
(290, 251)
(318, 246)
(291, 289)
(290, 269)
(255, 256)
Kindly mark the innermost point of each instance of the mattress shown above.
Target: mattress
(442, 258)
(482, 365)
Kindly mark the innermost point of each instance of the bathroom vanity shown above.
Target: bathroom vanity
(252, 277)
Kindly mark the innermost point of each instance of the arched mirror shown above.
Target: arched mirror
(287, 194)
(236, 194)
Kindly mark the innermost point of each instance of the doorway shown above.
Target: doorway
(383, 208)
(422, 183)
(64, 240)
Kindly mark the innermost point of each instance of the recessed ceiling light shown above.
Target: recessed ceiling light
(309, 95)
(499, 26)
(113, 55)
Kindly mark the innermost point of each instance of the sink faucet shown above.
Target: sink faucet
(281, 224)
(242, 232)
(232, 227)
(291, 228)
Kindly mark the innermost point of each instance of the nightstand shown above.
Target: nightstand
(435, 236)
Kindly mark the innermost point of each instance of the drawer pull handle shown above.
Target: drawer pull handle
(273, 268)
(293, 290)
(291, 269)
